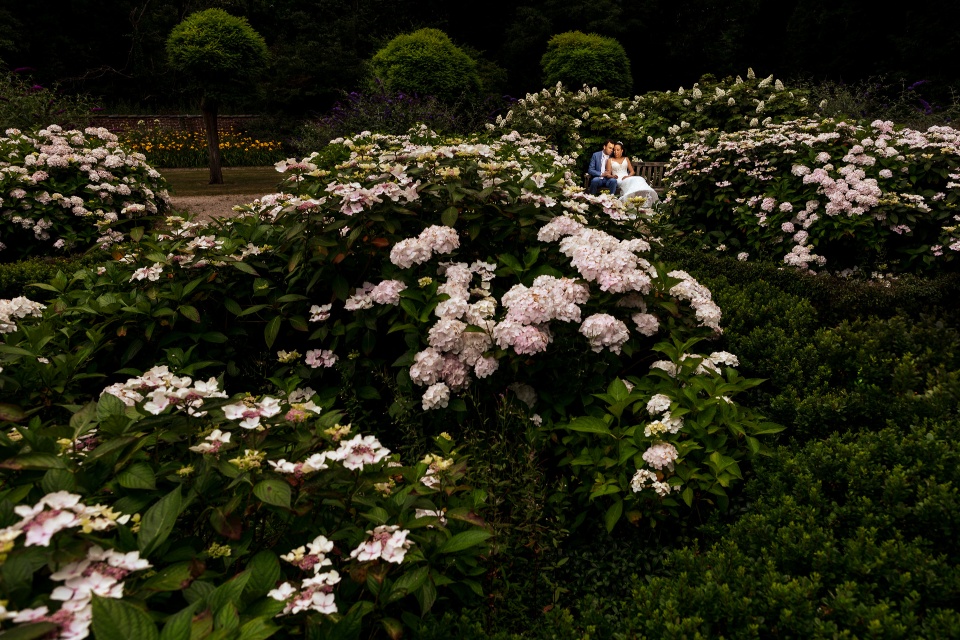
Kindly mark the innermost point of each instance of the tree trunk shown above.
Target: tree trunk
(209, 108)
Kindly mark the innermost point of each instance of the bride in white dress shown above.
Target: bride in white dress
(630, 185)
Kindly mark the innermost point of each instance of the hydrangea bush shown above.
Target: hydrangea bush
(654, 124)
(815, 193)
(165, 500)
(67, 190)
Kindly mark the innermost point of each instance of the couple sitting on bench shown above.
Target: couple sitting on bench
(611, 170)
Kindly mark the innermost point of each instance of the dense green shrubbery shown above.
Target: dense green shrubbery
(427, 63)
(849, 535)
(834, 298)
(71, 189)
(577, 59)
(392, 112)
(818, 192)
(909, 105)
(16, 277)
(654, 124)
(855, 375)
(24, 105)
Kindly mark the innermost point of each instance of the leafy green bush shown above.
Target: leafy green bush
(819, 192)
(654, 124)
(426, 285)
(576, 59)
(71, 189)
(217, 53)
(825, 379)
(24, 105)
(849, 536)
(427, 63)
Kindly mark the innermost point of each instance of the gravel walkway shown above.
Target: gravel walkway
(207, 207)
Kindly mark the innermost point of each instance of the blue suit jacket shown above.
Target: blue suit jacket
(596, 165)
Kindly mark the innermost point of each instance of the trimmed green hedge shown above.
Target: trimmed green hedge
(16, 276)
(856, 375)
(834, 299)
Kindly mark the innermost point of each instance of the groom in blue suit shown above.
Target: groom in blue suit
(599, 178)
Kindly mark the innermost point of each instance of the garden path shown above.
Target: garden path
(206, 207)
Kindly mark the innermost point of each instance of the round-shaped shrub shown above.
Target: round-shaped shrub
(576, 59)
(819, 192)
(427, 63)
(67, 190)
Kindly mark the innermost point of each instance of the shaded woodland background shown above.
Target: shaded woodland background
(114, 49)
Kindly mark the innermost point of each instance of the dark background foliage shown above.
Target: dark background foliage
(114, 49)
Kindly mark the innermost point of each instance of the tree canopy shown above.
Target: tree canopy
(217, 53)
(578, 59)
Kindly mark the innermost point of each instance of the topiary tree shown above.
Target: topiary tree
(575, 59)
(428, 63)
(219, 54)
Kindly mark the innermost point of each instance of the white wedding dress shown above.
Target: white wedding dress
(632, 186)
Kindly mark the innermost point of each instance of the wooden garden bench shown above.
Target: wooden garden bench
(652, 172)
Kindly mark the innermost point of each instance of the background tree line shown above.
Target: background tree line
(114, 49)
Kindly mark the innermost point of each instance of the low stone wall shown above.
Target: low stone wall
(118, 124)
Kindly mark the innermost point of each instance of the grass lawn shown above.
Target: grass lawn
(236, 181)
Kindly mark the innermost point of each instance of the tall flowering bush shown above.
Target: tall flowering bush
(164, 500)
(63, 190)
(821, 193)
(656, 123)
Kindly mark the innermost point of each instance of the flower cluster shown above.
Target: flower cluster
(160, 389)
(387, 542)
(646, 479)
(316, 592)
(53, 513)
(432, 240)
(16, 308)
(661, 455)
(100, 573)
(249, 411)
